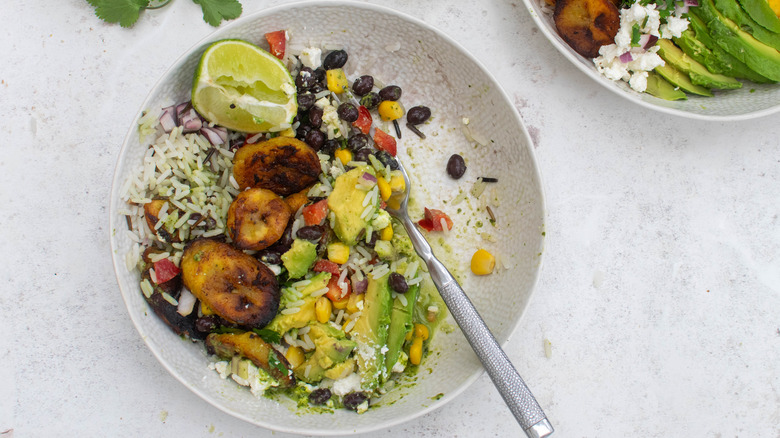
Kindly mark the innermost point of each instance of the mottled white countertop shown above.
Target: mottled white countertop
(660, 290)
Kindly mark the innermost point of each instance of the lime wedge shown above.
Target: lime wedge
(242, 87)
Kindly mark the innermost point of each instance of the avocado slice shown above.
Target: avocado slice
(762, 13)
(661, 88)
(282, 323)
(681, 80)
(758, 56)
(720, 60)
(698, 73)
(346, 203)
(370, 332)
(732, 10)
(331, 349)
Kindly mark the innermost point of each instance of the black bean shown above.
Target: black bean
(456, 167)
(315, 116)
(358, 142)
(302, 130)
(386, 159)
(363, 85)
(311, 232)
(347, 112)
(370, 100)
(306, 101)
(335, 59)
(390, 92)
(353, 400)
(362, 155)
(317, 88)
(320, 75)
(315, 138)
(206, 323)
(398, 283)
(329, 147)
(418, 114)
(305, 78)
(270, 257)
(319, 396)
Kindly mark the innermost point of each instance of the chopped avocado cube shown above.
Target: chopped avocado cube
(370, 332)
(698, 73)
(346, 203)
(331, 349)
(282, 323)
(384, 250)
(299, 258)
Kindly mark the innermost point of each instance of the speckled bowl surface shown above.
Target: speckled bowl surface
(750, 101)
(432, 70)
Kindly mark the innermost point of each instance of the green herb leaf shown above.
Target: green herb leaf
(223, 329)
(214, 11)
(275, 363)
(124, 12)
(635, 35)
(268, 335)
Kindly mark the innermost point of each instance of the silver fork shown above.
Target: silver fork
(510, 385)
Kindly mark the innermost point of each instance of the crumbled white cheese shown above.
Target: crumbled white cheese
(381, 221)
(344, 386)
(311, 57)
(674, 27)
(330, 118)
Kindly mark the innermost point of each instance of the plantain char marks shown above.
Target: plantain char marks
(283, 165)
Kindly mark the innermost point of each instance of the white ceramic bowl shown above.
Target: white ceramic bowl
(433, 70)
(750, 101)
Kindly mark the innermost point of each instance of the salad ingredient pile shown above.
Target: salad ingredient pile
(261, 226)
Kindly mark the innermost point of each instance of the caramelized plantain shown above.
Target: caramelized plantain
(297, 200)
(254, 348)
(152, 216)
(586, 25)
(235, 285)
(257, 218)
(284, 165)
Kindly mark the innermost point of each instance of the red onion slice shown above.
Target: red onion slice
(626, 57)
(359, 286)
(168, 118)
(216, 135)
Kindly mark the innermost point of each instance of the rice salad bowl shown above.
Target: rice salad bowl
(497, 205)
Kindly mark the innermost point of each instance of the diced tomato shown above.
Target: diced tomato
(326, 266)
(334, 292)
(363, 123)
(432, 220)
(165, 270)
(384, 141)
(313, 214)
(277, 40)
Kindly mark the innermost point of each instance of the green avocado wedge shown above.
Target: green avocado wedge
(732, 10)
(720, 60)
(681, 80)
(662, 89)
(698, 73)
(758, 56)
(762, 13)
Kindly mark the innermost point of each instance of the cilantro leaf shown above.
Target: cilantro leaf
(635, 35)
(268, 335)
(214, 11)
(124, 12)
(275, 363)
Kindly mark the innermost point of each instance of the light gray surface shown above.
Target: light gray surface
(660, 290)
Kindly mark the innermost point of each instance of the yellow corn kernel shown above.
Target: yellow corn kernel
(295, 356)
(352, 303)
(340, 304)
(386, 233)
(390, 110)
(394, 203)
(322, 309)
(337, 80)
(482, 262)
(344, 155)
(384, 188)
(421, 331)
(338, 252)
(397, 183)
(287, 133)
(415, 351)
(409, 335)
(204, 309)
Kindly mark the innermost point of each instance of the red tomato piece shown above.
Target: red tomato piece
(326, 266)
(313, 214)
(334, 292)
(432, 220)
(165, 270)
(278, 41)
(384, 141)
(363, 123)
(425, 224)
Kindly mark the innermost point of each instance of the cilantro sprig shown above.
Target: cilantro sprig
(127, 12)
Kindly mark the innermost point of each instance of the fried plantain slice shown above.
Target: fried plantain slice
(235, 285)
(297, 200)
(254, 348)
(284, 165)
(586, 25)
(257, 218)
(152, 216)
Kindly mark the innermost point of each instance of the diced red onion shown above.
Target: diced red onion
(168, 118)
(216, 135)
(368, 177)
(360, 286)
(182, 108)
(626, 57)
(691, 2)
(651, 40)
(186, 302)
(190, 121)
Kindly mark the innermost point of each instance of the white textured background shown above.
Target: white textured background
(660, 291)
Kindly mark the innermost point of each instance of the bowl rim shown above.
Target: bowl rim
(536, 14)
(119, 264)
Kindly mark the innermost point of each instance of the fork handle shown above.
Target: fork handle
(505, 377)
